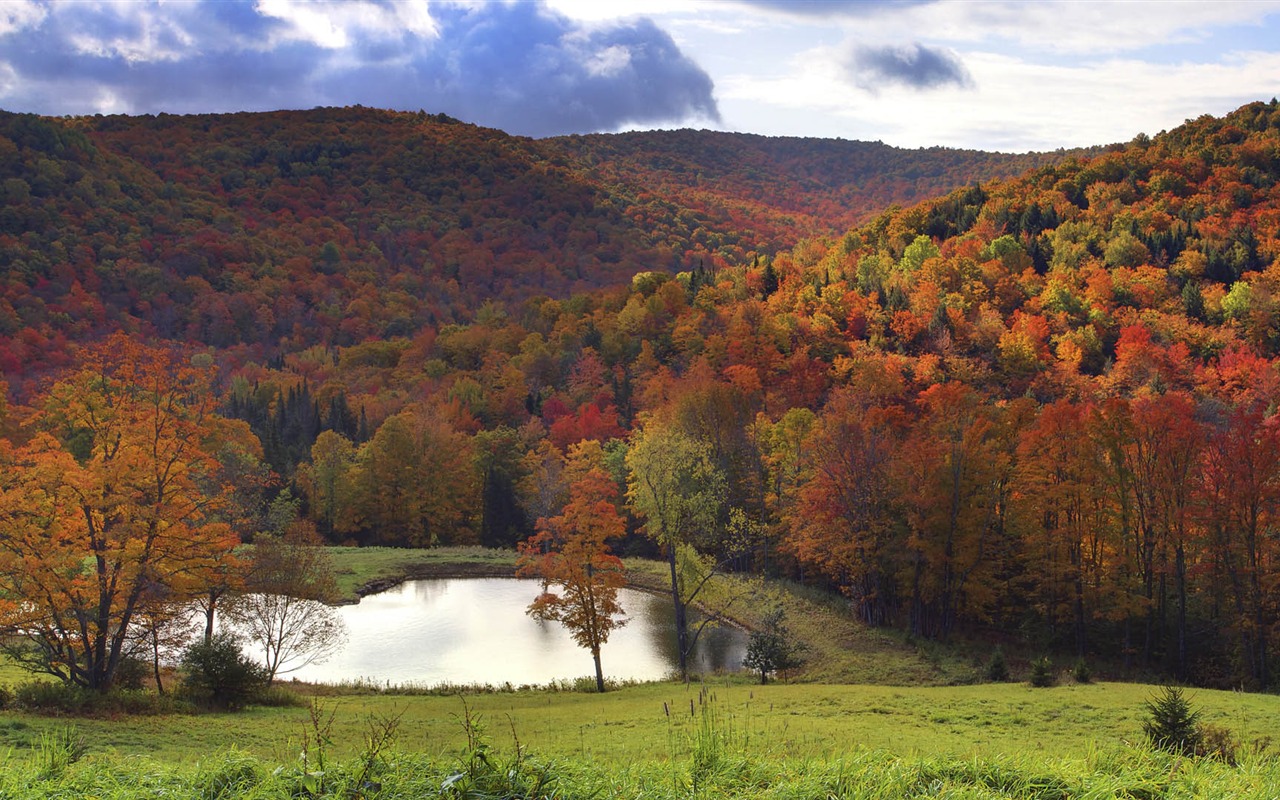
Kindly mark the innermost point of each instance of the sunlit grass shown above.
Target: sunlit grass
(995, 741)
(635, 723)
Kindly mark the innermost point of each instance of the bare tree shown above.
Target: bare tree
(286, 610)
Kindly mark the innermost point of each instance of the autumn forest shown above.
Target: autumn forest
(1026, 399)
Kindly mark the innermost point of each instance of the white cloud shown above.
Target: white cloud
(336, 25)
(1064, 26)
(1017, 105)
(17, 15)
(608, 62)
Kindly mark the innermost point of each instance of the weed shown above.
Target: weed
(55, 751)
(482, 774)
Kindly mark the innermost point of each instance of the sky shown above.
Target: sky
(1012, 75)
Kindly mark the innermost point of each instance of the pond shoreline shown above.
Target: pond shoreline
(636, 579)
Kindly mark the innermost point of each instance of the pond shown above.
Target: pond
(476, 631)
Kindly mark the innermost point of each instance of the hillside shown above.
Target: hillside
(784, 189)
(1038, 411)
(272, 232)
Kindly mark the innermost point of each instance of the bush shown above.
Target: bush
(1082, 673)
(1172, 724)
(773, 648)
(997, 669)
(217, 674)
(1042, 673)
(1218, 742)
(51, 697)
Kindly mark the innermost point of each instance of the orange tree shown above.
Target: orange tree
(110, 509)
(580, 577)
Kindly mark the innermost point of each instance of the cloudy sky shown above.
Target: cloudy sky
(1014, 76)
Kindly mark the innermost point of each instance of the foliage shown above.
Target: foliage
(773, 648)
(580, 576)
(112, 509)
(1044, 405)
(1042, 673)
(1081, 672)
(1172, 723)
(218, 674)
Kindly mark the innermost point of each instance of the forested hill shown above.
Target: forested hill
(276, 231)
(785, 189)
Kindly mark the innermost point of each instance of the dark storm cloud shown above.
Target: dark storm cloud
(914, 66)
(518, 66)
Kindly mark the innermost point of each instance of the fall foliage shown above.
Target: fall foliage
(1038, 407)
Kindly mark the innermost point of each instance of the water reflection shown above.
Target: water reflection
(475, 630)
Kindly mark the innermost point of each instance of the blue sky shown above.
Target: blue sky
(1011, 76)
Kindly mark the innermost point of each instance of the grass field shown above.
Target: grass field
(723, 740)
(636, 723)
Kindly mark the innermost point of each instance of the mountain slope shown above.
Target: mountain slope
(275, 231)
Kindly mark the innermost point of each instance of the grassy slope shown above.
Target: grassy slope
(631, 725)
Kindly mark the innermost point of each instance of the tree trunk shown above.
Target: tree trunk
(682, 623)
(595, 654)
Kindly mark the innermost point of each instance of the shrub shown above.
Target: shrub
(1042, 673)
(217, 674)
(1172, 724)
(50, 696)
(1082, 673)
(997, 669)
(132, 673)
(1217, 742)
(773, 648)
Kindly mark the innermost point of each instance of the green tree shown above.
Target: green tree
(676, 488)
(773, 648)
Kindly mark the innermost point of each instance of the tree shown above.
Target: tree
(415, 482)
(772, 648)
(570, 553)
(843, 519)
(1172, 724)
(328, 478)
(676, 488)
(285, 610)
(105, 512)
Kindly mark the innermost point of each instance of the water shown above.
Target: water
(475, 630)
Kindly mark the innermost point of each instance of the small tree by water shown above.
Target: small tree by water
(580, 577)
(773, 648)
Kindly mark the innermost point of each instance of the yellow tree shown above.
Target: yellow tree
(676, 488)
(109, 509)
(580, 577)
